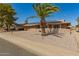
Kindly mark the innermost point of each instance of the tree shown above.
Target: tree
(7, 16)
(26, 21)
(43, 10)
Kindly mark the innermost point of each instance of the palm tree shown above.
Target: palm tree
(7, 15)
(43, 10)
(26, 21)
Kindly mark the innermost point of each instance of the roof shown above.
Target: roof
(77, 25)
(49, 22)
(30, 24)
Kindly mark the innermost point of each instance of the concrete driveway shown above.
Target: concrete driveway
(9, 49)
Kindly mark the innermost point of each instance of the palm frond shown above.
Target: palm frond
(44, 9)
(30, 17)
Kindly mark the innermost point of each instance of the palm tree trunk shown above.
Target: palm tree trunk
(43, 25)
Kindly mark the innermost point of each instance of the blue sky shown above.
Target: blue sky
(67, 11)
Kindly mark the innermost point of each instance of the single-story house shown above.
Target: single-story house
(52, 24)
(77, 27)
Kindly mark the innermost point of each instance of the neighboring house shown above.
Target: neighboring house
(77, 27)
(53, 24)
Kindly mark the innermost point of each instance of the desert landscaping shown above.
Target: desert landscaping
(55, 44)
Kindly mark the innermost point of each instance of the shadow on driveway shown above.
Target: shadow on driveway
(9, 49)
